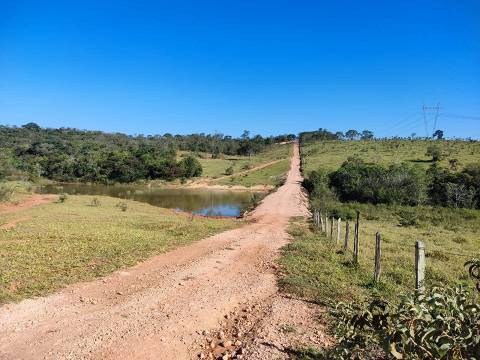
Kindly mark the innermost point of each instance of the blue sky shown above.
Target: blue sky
(268, 66)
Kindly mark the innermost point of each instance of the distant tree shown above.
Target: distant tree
(435, 152)
(245, 135)
(191, 167)
(367, 135)
(352, 134)
(31, 126)
(438, 134)
(339, 135)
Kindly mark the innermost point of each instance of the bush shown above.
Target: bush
(229, 171)
(190, 167)
(123, 206)
(62, 197)
(435, 152)
(458, 190)
(358, 181)
(442, 324)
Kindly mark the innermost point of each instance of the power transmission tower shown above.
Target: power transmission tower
(429, 111)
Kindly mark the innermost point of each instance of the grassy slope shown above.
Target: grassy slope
(270, 175)
(62, 243)
(331, 154)
(214, 168)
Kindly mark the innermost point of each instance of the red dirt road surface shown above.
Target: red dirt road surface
(159, 308)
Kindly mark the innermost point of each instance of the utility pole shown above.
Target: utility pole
(428, 110)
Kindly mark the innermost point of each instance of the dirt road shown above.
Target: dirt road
(159, 308)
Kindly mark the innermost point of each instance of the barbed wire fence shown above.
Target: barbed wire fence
(326, 224)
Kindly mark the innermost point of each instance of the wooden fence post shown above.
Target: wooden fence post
(355, 239)
(326, 223)
(339, 222)
(331, 228)
(347, 229)
(315, 218)
(378, 267)
(420, 266)
(320, 218)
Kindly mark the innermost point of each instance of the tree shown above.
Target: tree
(367, 135)
(31, 126)
(191, 167)
(352, 134)
(438, 134)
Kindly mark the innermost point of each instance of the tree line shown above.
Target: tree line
(67, 154)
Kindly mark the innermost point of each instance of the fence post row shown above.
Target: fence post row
(420, 267)
(378, 268)
(347, 228)
(355, 239)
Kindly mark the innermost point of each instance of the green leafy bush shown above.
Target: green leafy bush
(357, 180)
(229, 171)
(443, 323)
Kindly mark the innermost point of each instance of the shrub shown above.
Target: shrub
(95, 202)
(123, 206)
(407, 218)
(442, 324)
(62, 197)
(190, 167)
(359, 181)
(229, 171)
(435, 152)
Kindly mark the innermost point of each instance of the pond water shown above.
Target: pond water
(197, 201)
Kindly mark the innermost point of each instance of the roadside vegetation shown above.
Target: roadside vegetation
(407, 190)
(83, 237)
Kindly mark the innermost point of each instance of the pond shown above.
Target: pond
(198, 201)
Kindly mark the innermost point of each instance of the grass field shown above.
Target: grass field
(271, 175)
(61, 243)
(214, 168)
(316, 268)
(331, 154)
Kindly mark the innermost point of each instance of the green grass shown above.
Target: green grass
(63, 243)
(315, 267)
(272, 175)
(214, 168)
(331, 154)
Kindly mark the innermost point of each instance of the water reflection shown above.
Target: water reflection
(198, 201)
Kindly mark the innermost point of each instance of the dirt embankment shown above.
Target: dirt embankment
(168, 306)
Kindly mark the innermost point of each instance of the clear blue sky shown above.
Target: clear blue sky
(268, 66)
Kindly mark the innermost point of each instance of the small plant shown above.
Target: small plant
(229, 171)
(435, 152)
(123, 206)
(95, 202)
(407, 218)
(62, 197)
(6, 193)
